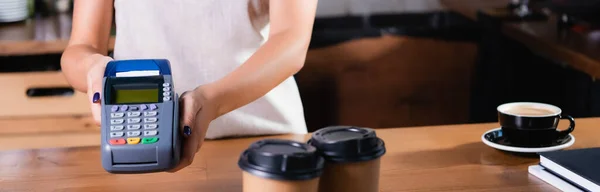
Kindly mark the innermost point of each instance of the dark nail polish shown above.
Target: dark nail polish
(187, 131)
(96, 97)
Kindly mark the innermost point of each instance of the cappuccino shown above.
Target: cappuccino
(529, 124)
(525, 110)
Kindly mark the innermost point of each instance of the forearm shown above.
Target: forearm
(76, 62)
(88, 42)
(280, 57)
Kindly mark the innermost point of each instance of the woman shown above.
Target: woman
(232, 60)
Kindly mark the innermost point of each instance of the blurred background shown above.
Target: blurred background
(372, 63)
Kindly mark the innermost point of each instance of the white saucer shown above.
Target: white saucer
(502, 147)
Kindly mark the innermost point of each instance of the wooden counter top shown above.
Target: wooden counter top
(38, 35)
(437, 158)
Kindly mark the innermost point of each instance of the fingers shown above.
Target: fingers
(95, 106)
(96, 111)
(94, 84)
(188, 153)
(189, 110)
(190, 147)
(193, 125)
(94, 93)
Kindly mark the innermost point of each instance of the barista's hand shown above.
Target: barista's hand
(197, 111)
(94, 82)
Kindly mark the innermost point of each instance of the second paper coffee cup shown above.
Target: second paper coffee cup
(274, 165)
(352, 158)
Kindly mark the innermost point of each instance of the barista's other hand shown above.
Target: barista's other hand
(197, 111)
(94, 83)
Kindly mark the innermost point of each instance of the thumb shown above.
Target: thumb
(95, 86)
(189, 108)
(95, 95)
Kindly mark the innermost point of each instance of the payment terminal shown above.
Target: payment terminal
(139, 128)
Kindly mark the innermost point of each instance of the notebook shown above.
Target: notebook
(579, 167)
(541, 173)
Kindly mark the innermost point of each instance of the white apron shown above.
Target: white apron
(204, 40)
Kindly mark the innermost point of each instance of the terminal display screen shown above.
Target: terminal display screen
(130, 96)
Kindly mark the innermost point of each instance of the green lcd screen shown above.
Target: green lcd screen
(127, 96)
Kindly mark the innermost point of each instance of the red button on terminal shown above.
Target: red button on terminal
(117, 142)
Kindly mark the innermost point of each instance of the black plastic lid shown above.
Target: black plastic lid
(347, 144)
(281, 160)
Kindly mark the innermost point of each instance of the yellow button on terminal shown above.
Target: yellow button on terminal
(133, 140)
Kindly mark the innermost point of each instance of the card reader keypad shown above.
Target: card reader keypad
(134, 114)
(129, 123)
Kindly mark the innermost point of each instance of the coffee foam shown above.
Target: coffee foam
(529, 109)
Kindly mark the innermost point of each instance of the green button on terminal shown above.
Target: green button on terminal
(149, 140)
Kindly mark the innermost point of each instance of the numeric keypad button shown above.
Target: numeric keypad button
(150, 120)
(134, 114)
(134, 120)
(133, 127)
(116, 121)
(150, 126)
(150, 133)
(116, 127)
(133, 133)
(150, 113)
(116, 134)
(117, 115)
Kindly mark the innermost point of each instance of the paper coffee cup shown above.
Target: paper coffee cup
(352, 158)
(274, 165)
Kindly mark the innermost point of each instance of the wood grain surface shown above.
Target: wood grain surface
(17, 103)
(48, 132)
(436, 158)
(47, 125)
